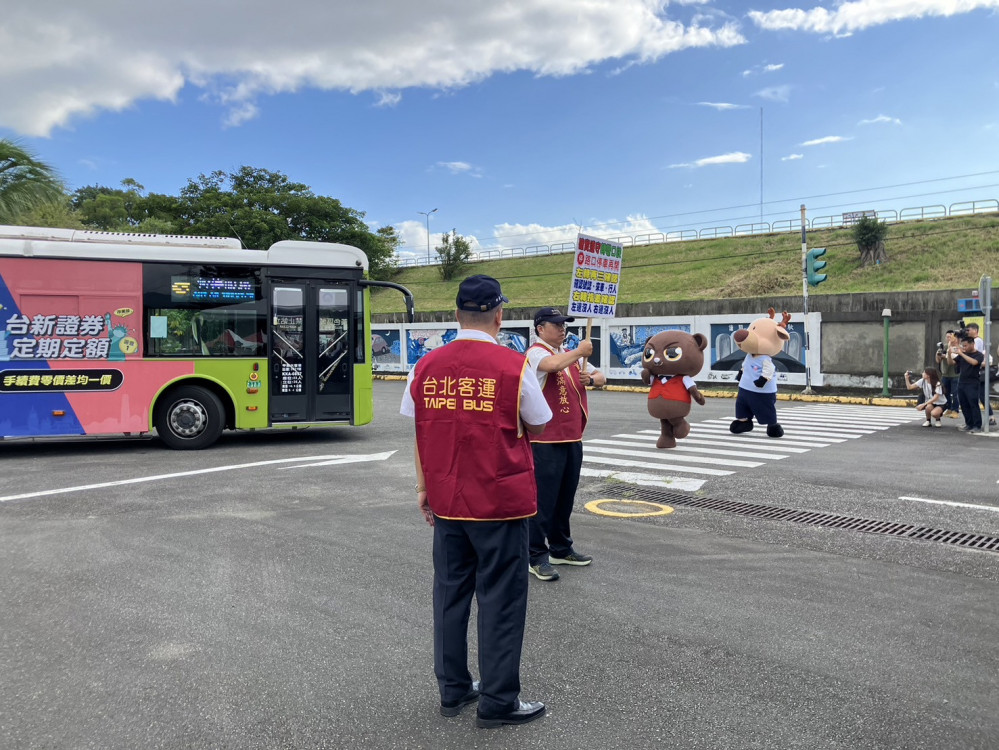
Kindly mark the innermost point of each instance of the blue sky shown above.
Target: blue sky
(521, 121)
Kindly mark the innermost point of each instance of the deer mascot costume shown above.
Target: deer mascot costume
(762, 340)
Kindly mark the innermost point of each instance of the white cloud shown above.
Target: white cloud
(775, 93)
(826, 139)
(460, 167)
(735, 157)
(792, 157)
(880, 119)
(511, 239)
(848, 17)
(772, 68)
(722, 106)
(413, 239)
(106, 55)
(388, 99)
(239, 113)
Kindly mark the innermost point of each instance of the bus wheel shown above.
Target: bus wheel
(190, 418)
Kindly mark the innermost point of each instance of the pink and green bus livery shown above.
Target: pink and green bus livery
(104, 333)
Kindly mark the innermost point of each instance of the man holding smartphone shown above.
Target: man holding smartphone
(968, 362)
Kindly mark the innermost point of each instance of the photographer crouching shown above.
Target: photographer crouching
(933, 400)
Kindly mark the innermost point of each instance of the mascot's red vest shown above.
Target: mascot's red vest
(566, 397)
(477, 462)
(672, 390)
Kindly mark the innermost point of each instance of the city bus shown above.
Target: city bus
(104, 333)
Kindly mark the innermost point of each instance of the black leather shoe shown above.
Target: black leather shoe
(453, 709)
(525, 712)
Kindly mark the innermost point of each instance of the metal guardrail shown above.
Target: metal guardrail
(781, 226)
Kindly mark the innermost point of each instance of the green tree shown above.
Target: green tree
(58, 214)
(383, 263)
(454, 253)
(261, 207)
(25, 182)
(869, 234)
(126, 209)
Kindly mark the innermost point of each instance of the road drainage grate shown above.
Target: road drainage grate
(814, 518)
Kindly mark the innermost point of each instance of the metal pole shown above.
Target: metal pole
(804, 296)
(427, 214)
(884, 381)
(761, 165)
(428, 239)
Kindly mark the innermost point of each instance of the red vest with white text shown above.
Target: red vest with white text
(566, 397)
(477, 462)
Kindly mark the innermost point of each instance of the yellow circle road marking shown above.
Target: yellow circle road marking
(594, 506)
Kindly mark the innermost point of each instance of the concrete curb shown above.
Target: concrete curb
(809, 398)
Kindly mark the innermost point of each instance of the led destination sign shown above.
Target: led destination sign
(211, 289)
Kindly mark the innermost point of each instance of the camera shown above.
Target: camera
(962, 330)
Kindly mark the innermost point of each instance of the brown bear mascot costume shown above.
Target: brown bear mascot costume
(669, 362)
(762, 340)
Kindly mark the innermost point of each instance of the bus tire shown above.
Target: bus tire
(189, 418)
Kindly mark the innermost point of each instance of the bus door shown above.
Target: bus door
(310, 362)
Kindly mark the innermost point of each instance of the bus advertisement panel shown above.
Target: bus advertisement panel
(188, 336)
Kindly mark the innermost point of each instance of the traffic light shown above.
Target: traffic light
(814, 266)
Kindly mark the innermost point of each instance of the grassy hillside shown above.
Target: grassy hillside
(940, 254)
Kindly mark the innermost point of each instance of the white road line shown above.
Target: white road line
(867, 424)
(682, 446)
(662, 455)
(992, 508)
(660, 467)
(645, 480)
(873, 417)
(732, 440)
(875, 412)
(801, 425)
(816, 432)
(157, 477)
(760, 433)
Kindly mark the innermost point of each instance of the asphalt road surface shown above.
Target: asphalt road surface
(274, 591)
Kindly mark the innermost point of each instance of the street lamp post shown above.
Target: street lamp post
(427, 214)
(886, 315)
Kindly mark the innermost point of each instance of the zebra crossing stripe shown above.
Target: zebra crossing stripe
(645, 480)
(682, 446)
(806, 428)
(660, 455)
(661, 467)
(877, 417)
(731, 440)
(802, 425)
(808, 433)
(808, 441)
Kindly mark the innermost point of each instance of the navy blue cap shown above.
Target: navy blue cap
(479, 293)
(550, 315)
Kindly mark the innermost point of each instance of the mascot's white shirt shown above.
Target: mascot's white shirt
(752, 368)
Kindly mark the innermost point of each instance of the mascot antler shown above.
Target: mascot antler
(785, 317)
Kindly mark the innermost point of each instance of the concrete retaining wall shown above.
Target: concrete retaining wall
(852, 330)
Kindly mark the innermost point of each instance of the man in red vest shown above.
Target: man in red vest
(558, 454)
(474, 402)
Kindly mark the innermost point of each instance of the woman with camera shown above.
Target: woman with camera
(933, 401)
(948, 374)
